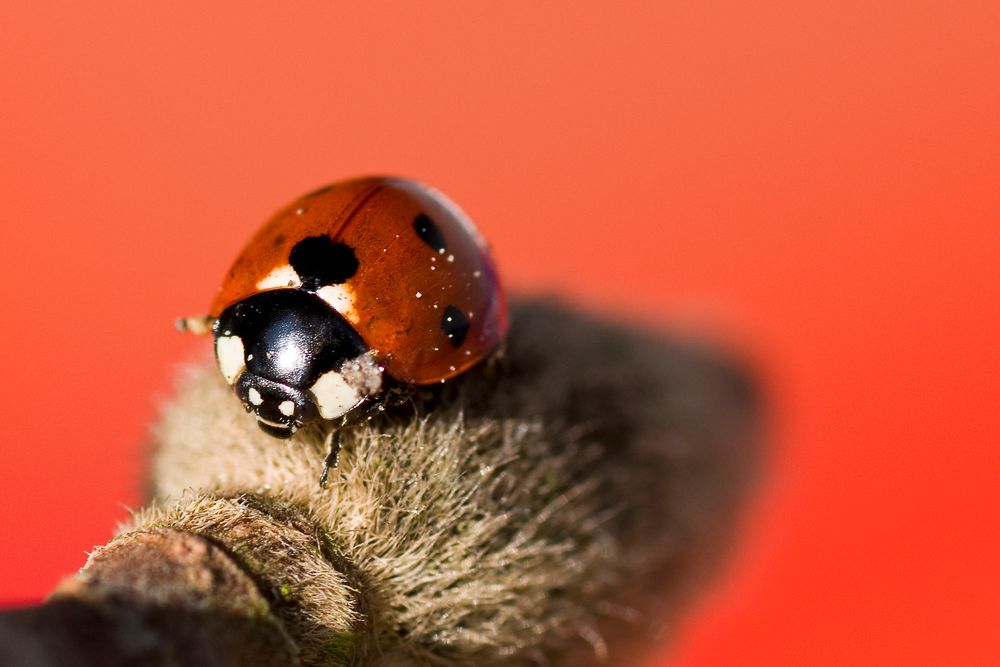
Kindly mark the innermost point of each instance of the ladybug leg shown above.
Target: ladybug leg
(198, 324)
(333, 457)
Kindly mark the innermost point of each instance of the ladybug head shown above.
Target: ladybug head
(280, 408)
(291, 358)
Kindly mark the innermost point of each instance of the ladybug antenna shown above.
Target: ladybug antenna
(198, 324)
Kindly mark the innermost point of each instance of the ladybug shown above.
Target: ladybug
(347, 290)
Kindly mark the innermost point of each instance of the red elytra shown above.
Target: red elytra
(418, 257)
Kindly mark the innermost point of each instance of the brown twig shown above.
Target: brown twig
(555, 506)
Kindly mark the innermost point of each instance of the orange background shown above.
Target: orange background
(818, 186)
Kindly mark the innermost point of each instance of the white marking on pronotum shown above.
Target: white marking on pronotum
(229, 350)
(341, 299)
(419, 295)
(283, 276)
(287, 408)
(337, 393)
(334, 397)
(255, 396)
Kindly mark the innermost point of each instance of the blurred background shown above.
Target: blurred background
(816, 187)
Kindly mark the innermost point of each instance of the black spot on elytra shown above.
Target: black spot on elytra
(455, 326)
(320, 261)
(429, 232)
